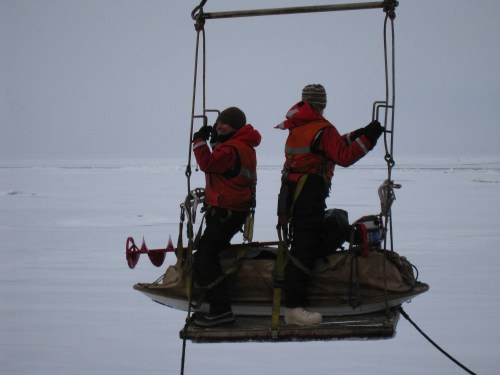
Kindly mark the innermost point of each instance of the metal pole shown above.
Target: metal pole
(293, 10)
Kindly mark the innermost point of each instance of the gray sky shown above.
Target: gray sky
(114, 78)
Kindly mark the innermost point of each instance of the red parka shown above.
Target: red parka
(230, 170)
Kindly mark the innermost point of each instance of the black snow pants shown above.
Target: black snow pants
(221, 226)
(306, 229)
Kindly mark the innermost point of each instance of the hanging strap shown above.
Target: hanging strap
(279, 281)
(249, 222)
(179, 251)
(354, 282)
(248, 227)
(189, 268)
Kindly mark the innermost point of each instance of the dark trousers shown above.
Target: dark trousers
(306, 229)
(220, 228)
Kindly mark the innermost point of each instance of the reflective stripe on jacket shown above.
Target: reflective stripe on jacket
(234, 192)
(299, 157)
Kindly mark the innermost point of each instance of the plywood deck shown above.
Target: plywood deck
(379, 325)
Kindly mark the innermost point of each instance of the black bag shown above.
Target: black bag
(336, 230)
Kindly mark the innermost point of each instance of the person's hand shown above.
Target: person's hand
(373, 131)
(203, 133)
(213, 137)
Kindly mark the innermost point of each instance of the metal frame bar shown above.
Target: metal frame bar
(293, 10)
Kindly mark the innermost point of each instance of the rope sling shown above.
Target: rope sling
(385, 191)
(199, 17)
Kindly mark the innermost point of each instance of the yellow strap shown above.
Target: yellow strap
(298, 189)
(279, 269)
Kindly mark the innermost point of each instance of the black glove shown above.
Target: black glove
(356, 133)
(213, 137)
(203, 133)
(373, 131)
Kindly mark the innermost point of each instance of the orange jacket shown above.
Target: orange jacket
(230, 170)
(314, 146)
(299, 157)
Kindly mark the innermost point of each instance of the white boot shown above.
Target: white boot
(301, 317)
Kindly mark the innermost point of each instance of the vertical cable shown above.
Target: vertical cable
(199, 26)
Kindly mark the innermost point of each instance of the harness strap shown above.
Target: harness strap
(284, 215)
(189, 263)
(300, 186)
(179, 251)
(230, 269)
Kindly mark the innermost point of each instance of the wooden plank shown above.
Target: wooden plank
(378, 325)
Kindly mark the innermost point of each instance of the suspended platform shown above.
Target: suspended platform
(358, 296)
(376, 325)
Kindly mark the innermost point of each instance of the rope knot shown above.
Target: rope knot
(197, 15)
(390, 8)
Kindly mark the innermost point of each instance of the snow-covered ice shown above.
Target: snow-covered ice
(68, 307)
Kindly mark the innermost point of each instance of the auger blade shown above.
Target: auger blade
(170, 245)
(157, 257)
(132, 253)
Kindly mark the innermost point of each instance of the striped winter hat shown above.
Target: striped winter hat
(315, 95)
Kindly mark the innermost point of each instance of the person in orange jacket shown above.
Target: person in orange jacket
(231, 178)
(313, 148)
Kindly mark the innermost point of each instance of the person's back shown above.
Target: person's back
(313, 148)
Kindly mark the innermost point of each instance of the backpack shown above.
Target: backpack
(336, 230)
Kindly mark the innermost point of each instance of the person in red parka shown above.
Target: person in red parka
(231, 178)
(313, 148)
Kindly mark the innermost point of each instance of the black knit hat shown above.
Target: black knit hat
(234, 117)
(315, 95)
